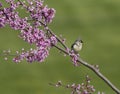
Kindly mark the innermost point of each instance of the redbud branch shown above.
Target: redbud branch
(91, 67)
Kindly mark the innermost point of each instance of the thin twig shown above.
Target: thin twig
(7, 54)
(64, 51)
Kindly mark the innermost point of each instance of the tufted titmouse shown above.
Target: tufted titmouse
(77, 45)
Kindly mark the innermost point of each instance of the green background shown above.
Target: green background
(97, 22)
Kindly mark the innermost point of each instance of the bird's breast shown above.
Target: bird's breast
(77, 47)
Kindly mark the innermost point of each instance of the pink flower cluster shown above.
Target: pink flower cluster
(30, 27)
(74, 56)
(83, 88)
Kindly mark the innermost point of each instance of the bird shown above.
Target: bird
(77, 45)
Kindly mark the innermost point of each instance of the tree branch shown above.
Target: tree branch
(95, 70)
(91, 67)
(99, 74)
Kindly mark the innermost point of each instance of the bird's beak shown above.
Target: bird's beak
(81, 41)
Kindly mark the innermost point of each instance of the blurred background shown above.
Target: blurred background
(97, 22)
